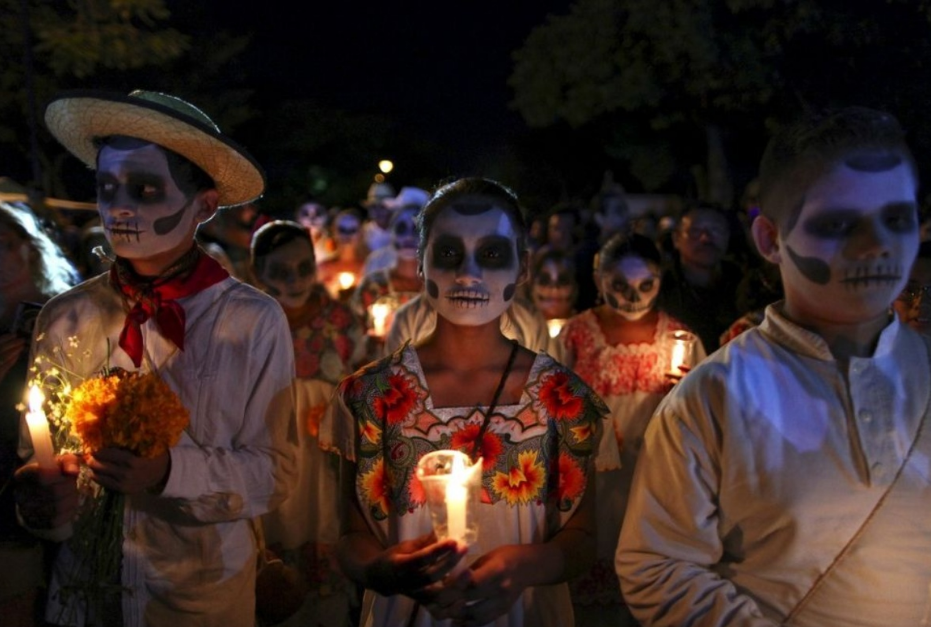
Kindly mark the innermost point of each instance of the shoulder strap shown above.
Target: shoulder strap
(869, 518)
(476, 446)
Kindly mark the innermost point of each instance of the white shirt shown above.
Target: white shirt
(189, 554)
(762, 464)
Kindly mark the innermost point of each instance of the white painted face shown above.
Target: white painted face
(404, 234)
(312, 217)
(630, 286)
(553, 288)
(471, 267)
(847, 256)
(289, 273)
(144, 213)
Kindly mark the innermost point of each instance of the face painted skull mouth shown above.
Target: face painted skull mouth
(634, 307)
(861, 278)
(468, 299)
(122, 230)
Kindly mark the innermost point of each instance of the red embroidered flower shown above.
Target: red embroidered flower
(343, 346)
(560, 401)
(306, 363)
(571, 479)
(398, 400)
(491, 446)
(417, 496)
(340, 317)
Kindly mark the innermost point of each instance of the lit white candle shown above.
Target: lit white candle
(346, 280)
(457, 501)
(379, 312)
(39, 431)
(683, 344)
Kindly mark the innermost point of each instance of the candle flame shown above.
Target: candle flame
(36, 398)
(346, 280)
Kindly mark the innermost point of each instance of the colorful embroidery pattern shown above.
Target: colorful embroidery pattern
(535, 452)
(617, 370)
(325, 342)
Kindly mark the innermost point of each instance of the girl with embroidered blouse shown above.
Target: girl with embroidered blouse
(618, 349)
(466, 387)
(328, 343)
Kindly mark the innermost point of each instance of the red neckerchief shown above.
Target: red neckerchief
(194, 272)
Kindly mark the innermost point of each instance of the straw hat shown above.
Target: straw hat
(76, 119)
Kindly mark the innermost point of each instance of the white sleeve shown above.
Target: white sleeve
(669, 544)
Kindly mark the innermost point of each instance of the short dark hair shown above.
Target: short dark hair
(187, 175)
(799, 154)
(272, 236)
(624, 245)
(470, 196)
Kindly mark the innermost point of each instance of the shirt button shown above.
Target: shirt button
(857, 368)
(866, 416)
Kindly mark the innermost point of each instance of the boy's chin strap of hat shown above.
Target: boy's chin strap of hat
(194, 272)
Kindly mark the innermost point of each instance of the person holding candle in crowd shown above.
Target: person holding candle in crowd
(392, 286)
(619, 348)
(32, 269)
(328, 344)
(785, 480)
(341, 273)
(467, 387)
(189, 549)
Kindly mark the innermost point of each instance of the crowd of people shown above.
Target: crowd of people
(708, 418)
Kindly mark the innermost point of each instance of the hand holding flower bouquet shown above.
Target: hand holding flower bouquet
(117, 413)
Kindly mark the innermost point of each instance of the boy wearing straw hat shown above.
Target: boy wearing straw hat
(188, 545)
(787, 479)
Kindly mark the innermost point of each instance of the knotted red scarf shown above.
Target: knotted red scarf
(195, 271)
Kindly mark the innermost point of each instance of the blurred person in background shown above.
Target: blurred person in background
(328, 344)
(32, 269)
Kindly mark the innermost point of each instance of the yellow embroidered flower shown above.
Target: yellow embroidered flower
(522, 483)
(375, 489)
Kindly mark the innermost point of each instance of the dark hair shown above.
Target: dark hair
(623, 245)
(796, 156)
(924, 250)
(471, 196)
(272, 236)
(187, 175)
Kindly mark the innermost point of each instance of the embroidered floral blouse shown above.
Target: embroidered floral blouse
(536, 462)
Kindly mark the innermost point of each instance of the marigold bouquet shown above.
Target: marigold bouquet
(135, 411)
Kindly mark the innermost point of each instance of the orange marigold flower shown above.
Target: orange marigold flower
(522, 483)
(134, 411)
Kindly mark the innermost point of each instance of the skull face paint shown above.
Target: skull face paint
(847, 256)
(289, 273)
(630, 286)
(553, 290)
(144, 213)
(404, 234)
(471, 266)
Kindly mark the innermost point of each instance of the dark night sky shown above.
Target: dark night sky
(439, 72)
